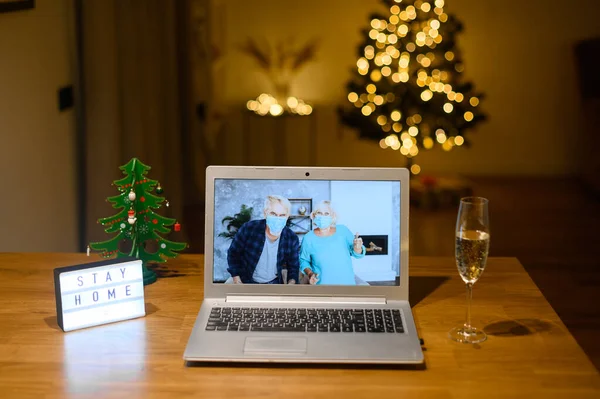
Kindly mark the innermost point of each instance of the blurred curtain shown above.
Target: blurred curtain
(138, 103)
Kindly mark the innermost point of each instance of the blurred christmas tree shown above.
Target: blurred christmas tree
(137, 224)
(408, 93)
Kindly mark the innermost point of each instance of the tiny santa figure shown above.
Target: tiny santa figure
(131, 216)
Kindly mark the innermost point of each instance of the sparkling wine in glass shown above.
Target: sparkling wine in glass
(472, 247)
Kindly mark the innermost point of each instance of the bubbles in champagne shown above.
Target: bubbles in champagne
(472, 248)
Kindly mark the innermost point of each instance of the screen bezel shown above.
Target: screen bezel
(220, 290)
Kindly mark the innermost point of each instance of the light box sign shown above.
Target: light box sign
(99, 293)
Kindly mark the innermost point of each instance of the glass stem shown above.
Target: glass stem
(468, 317)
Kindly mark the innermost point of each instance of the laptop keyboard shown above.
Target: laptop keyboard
(305, 320)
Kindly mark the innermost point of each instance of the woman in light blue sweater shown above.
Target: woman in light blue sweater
(325, 252)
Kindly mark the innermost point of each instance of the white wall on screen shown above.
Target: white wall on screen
(367, 208)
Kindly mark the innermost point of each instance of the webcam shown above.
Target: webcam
(307, 174)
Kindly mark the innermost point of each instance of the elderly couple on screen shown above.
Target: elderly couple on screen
(261, 248)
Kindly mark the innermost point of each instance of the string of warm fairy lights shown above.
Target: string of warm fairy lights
(402, 52)
(268, 104)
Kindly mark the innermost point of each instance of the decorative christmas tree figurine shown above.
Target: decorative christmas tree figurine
(137, 224)
(408, 93)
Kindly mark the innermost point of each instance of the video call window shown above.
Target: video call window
(314, 232)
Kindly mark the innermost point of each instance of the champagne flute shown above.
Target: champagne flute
(472, 246)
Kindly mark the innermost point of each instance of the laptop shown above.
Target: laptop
(305, 265)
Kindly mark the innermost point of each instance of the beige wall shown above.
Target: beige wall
(518, 52)
(37, 164)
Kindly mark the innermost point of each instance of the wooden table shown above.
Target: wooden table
(529, 352)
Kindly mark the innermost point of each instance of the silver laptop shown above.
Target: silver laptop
(306, 265)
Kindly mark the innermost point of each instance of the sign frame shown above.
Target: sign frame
(106, 316)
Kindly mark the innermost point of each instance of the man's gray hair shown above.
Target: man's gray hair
(272, 199)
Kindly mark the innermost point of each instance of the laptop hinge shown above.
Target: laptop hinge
(305, 300)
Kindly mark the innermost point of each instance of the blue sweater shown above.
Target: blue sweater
(329, 257)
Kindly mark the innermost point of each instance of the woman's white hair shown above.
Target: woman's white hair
(272, 199)
(325, 205)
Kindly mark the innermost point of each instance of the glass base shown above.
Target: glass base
(470, 336)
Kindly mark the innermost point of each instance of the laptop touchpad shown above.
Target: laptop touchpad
(295, 345)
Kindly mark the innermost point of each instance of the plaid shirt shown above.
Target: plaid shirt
(248, 244)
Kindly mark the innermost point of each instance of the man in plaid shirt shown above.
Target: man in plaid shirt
(261, 248)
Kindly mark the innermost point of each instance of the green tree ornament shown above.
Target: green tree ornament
(137, 224)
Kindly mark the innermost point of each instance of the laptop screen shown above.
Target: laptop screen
(314, 232)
